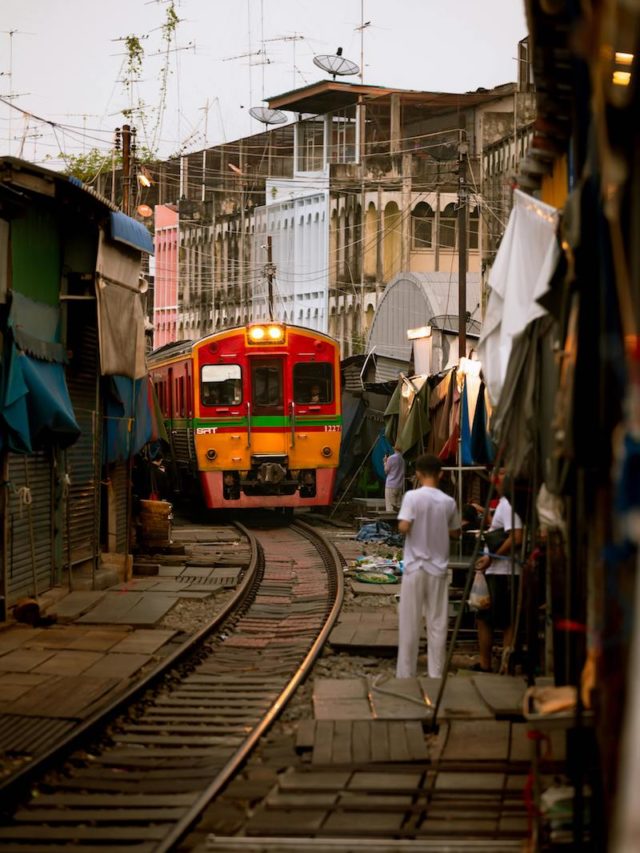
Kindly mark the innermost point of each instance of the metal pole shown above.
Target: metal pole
(126, 167)
(116, 148)
(462, 249)
(270, 269)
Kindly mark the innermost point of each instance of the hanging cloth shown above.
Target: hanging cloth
(120, 314)
(520, 275)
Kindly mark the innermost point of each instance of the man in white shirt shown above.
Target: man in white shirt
(394, 483)
(428, 518)
(497, 569)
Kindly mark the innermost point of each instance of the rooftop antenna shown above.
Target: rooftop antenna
(336, 64)
(11, 94)
(293, 38)
(265, 114)
(363, 26)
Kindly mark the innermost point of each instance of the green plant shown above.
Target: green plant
(86, 167)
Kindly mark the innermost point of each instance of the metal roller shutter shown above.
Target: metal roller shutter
(120, 486)
(30, 526)
(82, 510)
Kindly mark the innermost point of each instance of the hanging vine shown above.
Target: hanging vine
(135, 55)
(168, 29)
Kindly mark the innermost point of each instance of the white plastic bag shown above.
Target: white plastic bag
(480, 598)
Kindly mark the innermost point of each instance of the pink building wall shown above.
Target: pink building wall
(165, 297)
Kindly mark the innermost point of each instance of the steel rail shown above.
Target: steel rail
(188, 821)
(14, 786)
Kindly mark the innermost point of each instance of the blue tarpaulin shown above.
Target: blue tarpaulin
(128, 418)
(382, 448)
(126, 230)
(35, 403)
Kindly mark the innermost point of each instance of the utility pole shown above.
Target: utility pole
(126, 168)
(463, 150)
(270, 271)
(116, 148)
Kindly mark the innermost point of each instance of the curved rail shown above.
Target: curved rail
(336, 576)
(58, 812)
(14, 786)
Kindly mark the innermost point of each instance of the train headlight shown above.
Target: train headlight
(271, 333)
(275, 333)
(326, 451)
(256, 333)
(211, 454)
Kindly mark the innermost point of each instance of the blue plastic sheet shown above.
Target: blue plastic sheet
(128, 418)
(36, 406)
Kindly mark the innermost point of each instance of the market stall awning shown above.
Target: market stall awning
(128, 417)
(120, 314)
(36, 406)
(126, 230)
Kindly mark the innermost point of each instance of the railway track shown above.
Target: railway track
(141, 773)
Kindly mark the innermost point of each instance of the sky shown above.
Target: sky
(64, 62)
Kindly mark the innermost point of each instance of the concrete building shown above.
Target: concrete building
(165, 302)
(363, 186)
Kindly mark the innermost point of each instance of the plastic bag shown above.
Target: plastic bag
(480, 598)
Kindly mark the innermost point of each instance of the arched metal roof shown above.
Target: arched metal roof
(411, 300)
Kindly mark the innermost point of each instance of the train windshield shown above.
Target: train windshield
(313, 383)
(221, 385)
(266, 378)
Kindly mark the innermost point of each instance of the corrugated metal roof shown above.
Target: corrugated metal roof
(411, 300)
(126, 230)
(327, 95)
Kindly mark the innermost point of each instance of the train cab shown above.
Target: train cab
(267, 422)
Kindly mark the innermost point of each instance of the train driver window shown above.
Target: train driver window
(312, 383)
(221, 385)
(267, 385)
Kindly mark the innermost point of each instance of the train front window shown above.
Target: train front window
(221, 385)
(312, 383)
(267, 384)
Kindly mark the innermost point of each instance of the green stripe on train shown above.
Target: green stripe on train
(268, 421)
(256, 421)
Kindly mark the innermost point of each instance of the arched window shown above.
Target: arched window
(422, 226)
(448, 227)
(392, 240)
(370, 242)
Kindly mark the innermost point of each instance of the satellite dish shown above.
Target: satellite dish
(144, 210)
(267, 116)
(336, 64)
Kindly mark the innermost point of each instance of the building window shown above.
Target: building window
(342, 136)
(448, 227)
(422, 226)
(310, 145)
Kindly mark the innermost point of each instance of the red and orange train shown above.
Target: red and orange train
(253, 415)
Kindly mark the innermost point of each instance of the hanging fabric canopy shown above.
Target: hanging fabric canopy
(120, 314)
(132, 233)
(525, 261)
(129, 422)
(36, 406)
(35, 403)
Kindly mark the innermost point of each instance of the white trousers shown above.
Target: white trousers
(422, 593)
(392, 499)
